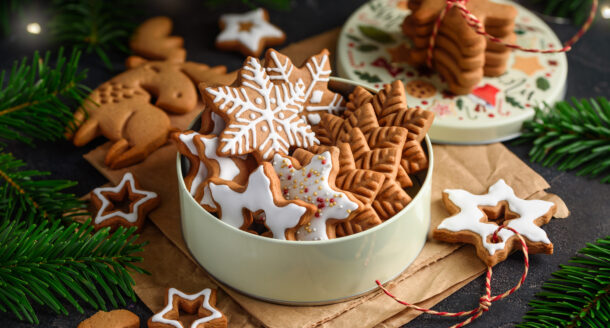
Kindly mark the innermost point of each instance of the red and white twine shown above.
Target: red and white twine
(485, 301)
(479, 28)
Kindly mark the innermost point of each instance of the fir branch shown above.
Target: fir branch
(8, 10)
(98, 26)
(48, 262)
(576, 10)
(34, 98)
(26, 197)
(572, 137)
(578, 296)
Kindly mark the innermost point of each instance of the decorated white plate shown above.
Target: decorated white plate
(496, 108)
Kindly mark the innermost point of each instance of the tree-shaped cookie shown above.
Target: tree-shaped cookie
(475, 218)
(261, 117)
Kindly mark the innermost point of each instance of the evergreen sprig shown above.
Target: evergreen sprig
(95, 25)
(579, 295)
(48, 262)
(35, 97)
(576, 10)
(572, 136)
(26, 197)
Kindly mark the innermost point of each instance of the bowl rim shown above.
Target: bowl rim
(309, 243)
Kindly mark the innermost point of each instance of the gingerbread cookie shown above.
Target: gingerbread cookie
(420, 89)
(141, 203)
(460, 55)
(261, 117)
(475, 218)
(121, 109)
(202, 304)
(312, 78)
(248, 33)
(262, 193)
(112, 319)
(234, 169)
(152, 40)
(314, 183)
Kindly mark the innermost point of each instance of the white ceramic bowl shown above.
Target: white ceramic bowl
(302, 272)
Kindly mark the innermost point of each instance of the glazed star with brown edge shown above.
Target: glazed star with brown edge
(203, 304)
(106, 199)
(475, 218)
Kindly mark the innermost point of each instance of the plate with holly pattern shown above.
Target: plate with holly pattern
(493, 111)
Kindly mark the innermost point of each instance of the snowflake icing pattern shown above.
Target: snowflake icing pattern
(264, 118)
(316, 96)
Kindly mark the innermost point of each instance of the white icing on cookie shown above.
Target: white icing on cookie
(277, 115)
(316, 97)
(310, 184)
(228, 169)
(314, 118)
(259, 28)
(470, 215)
(256, 197)
(313, 93)
(219, 124)
(130, 217)
(202, 172)
(205, 304)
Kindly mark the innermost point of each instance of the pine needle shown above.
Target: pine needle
(576, 10)
(35, 98)
(26, 197)
(97, 26)
(49, 262)
(578, 295)
(572, 137)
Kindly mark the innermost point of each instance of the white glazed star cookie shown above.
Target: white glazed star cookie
(262, 193)
(475, 218)
(249, 32)
(201, 304)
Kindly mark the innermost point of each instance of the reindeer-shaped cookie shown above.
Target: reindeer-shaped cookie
(121, 109)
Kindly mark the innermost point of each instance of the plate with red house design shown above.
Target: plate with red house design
(493, 111)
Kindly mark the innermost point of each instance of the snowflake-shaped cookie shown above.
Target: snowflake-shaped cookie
(314, 183)
(249, 32)
(261, 117)
(202, 304)
(312, 78)
(476, 217)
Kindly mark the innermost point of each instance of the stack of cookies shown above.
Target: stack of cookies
(281, 155)
(461, 56)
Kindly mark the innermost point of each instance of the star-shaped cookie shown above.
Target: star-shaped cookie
(202, 304)
(475, 218)
(141, 202)
(248, 33)
(314, 183)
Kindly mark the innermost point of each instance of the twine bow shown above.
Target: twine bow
(486, 300)
(479, 28)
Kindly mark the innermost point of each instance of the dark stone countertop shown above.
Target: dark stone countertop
(588, 200)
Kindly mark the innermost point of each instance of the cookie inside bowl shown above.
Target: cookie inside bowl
(308, 272)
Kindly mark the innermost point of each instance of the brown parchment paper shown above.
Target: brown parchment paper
(438, 271)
